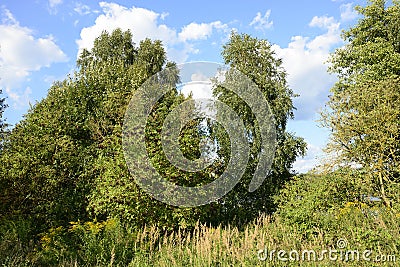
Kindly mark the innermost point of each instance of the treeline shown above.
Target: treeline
(67, 194)
(64, 161)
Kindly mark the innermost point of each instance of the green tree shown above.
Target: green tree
(363, 110)
(115, 192)
(255, 59)
(64, 161)
(3, 124)
(51, 161)
(311, 201)
(3, 135)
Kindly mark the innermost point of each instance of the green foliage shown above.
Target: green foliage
(365, 123)
(64, 162)
(3, 135)
(90, 243)
(311, 201)
(363, 110)
(338, 205)
(51, 163)
(112, 243)
(3, 124)
(255, 59)
(44, 161)
(63, 166)
(16, 242)
(373, 48)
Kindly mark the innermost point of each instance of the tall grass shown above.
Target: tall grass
(111, 243)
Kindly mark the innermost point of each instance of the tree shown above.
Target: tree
(3, 124)
(363, 111)
(64, 161)
(255, 59)
(50, 164)
(312, 201)
(3, 134)
(115, 192)
(372, 51)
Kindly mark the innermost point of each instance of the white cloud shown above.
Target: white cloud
(347, 12)
(195, 31)
(7, 17)
(142, 22)
(310, 160)
(19, 99)
(52, 6)
(145, 23)
(322, 22)
(304, 60)
(164, 15)
(262, 22)
(21, 53)
(54, 3)
(325, 41)
(201, 92)
(82, 9)
(200, 87)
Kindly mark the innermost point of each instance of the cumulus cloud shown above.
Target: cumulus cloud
(322, 22)
(21, 54)
(7, 17)
(304, 59)
(200, 87)
(195, 31)
(145, 23)
(262, 22)
(347, 12)
(201, 91)
(310, 160)
(325, 41)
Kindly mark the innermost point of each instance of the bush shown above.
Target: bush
(16, 242)
(311, 201)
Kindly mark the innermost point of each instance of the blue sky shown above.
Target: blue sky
(40, 41)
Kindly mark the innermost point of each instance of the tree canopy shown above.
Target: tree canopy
(64, 161)
(3, 124)
(255, 58)
(363, 111)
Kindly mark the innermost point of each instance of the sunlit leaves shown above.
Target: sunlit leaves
(363, 111)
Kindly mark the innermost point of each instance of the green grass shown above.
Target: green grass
(111, 243)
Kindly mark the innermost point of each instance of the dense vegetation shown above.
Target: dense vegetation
(3, 124)
(67, 197)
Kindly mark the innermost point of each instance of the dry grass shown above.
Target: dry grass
(111, 244)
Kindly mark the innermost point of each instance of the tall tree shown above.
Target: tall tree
(64, 161)
(363, 110)
(51, 163)
(255, 58)
(3, 124)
